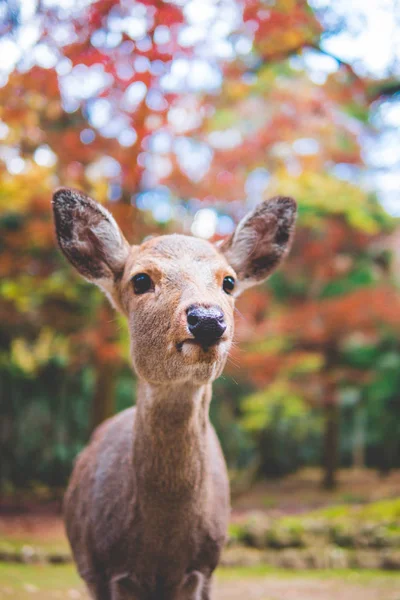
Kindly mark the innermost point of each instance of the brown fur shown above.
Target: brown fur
(148, 503)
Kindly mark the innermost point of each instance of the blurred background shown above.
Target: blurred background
(180, 116)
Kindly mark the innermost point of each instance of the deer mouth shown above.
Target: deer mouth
(205, 346)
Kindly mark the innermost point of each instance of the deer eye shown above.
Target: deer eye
(142, 283)
(228, 284)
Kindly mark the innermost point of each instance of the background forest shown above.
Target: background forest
(179, 116)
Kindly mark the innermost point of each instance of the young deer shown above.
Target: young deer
(148, 503)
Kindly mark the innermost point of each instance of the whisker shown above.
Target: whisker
(240, 314)
(233, 362)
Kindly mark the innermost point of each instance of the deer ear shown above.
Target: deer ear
(261, 240)
(89, 237)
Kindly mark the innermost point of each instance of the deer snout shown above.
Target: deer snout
(206, 324)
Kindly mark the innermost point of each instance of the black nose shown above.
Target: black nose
(206, 324)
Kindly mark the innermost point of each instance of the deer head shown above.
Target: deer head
(177, 292)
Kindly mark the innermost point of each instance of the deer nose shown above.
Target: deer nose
(206, 324)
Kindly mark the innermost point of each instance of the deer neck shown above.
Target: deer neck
(170, 441)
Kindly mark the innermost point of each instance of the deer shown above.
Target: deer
(148, 503)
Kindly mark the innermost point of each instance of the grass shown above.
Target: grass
(65, 577)
(354, 520)
(20, 582)
(17, 543)
(302, 491)
(27, 582)
(383, 510)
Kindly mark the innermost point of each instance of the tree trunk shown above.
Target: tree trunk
(103, 404)
(106, 359)
(359, 437)
(331, 445)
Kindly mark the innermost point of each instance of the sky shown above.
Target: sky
(373, 39)
(373, 48)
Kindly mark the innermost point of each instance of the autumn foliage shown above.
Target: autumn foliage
(142, 111)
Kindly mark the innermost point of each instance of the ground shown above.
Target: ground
(302, 491)
(40, 525)
(21, 582)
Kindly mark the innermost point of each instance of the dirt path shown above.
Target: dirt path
(22, 582)
(305, 589)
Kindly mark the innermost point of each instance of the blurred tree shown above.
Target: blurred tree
(343, 301)
(162, 111)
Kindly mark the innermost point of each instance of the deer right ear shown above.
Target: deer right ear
(90, 238)
(261, 241)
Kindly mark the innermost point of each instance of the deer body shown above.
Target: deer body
(148, 503)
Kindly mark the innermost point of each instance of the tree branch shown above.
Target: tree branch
(340, 61)
(282, 55)
(384, 90)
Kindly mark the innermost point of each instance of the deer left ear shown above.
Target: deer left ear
(261, 241)
(90, 238)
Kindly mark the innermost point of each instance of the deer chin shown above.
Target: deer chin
(202, 370)
(193, 351)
